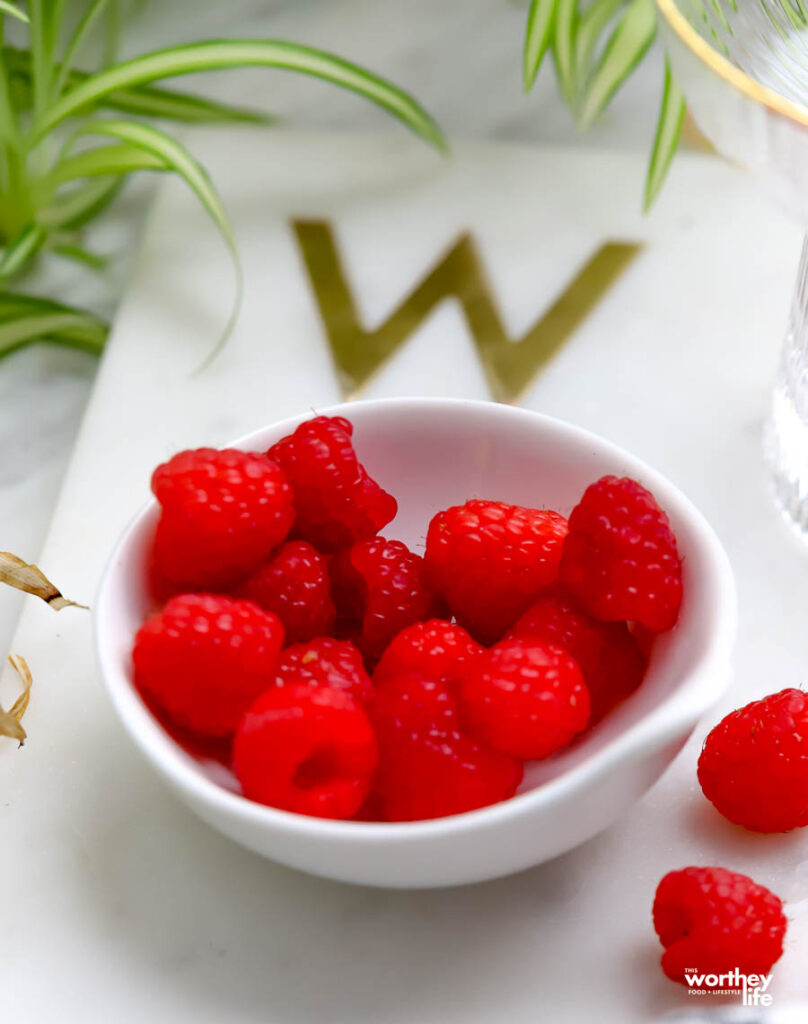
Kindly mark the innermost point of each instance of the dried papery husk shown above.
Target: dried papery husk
(30, 579)
(11, 720)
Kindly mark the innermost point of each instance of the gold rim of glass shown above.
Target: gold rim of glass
(725, 69)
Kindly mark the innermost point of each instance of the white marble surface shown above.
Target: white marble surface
(121, 905)
(462, 59)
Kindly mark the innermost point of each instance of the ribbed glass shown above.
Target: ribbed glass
(787, 430)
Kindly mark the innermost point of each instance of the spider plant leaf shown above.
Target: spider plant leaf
(82, 204)
(79, 254)
(219, 54)
(537, 38)
(626, 47)
(565, 27)
(174, 157)
(21, 250)
(668, 131)
(27, 319)
(13, 10)
(86, 22)
(169, 105)
(593, 21)
(104, 160)
(146, 100)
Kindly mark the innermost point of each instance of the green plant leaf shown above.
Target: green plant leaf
(169, 105)
(82, 204)
(565, 26)
(537, 38)
(220, 54)
(668, 132)
(174, 157)
(632, 36)
(21, 250)
(13, 10)
(25, 319)
(593, 21)
(90, 16)
(79, 254)
(146, 100)
(102, 161)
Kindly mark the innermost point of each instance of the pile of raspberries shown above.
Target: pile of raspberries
(353, 678)
(345, 676)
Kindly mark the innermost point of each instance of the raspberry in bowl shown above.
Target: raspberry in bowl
(427, 629)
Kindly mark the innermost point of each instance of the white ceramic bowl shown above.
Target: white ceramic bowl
(432, 453)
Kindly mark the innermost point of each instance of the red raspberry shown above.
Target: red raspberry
(337, 502)
(436, 776)
(607, 654)
(754, 767)
(412, 705)
(438, 648)
(205, 658)
(525, 697)
(378, 589)
(326, 662)
(712, 921)
(427, 767)
(307, 749)
(222, 514)
(295, 585)
(489, 560)
(620, 559)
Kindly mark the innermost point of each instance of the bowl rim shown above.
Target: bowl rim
(726, 70)
(673, 718)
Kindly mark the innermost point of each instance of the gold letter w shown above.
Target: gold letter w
(509, 365)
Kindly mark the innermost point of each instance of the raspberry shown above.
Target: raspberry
(754, 767)
(337, 502)
(326, 662)
(427, 767)
(607, 654)
(489, 560)
(525, 697)
(379, 590)
(438, 648)
(414, 704)
(222, 514)
(714, 921)
(620, 559)
(307, 749)
(294, 584)
(205, 658)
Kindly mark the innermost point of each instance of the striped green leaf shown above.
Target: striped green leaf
(219, 54)
(626, 47)
(13, 10)
(174, 157)
(21, 250)
(82, 29)
(668, 132)
(169, 105)
(82, 204)
(145, 100)
(565, 27)
(80, 254)
(105, 160)
(593, 21)
(537, 38)
(25, 319)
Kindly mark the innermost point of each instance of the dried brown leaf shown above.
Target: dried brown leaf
(23, 576)
(11, 720)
